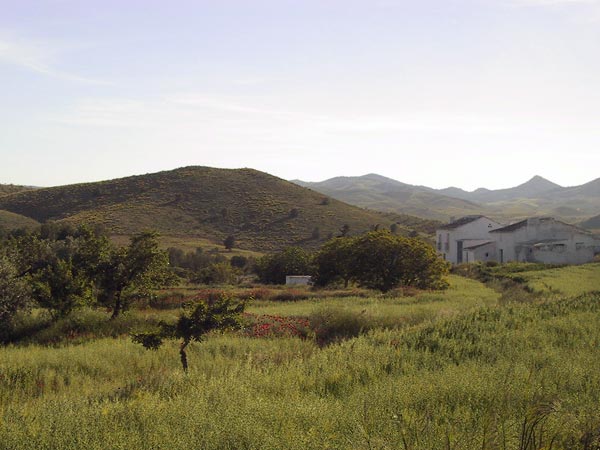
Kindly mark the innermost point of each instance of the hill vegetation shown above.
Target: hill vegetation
(12, 188)
(11, 221)
(535, 197)
(261, 211)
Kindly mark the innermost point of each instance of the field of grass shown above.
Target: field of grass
(570, 280)
(460, 372)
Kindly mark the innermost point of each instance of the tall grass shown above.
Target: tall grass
(520, 376)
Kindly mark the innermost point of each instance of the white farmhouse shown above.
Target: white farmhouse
(546, 240)
(466, 233)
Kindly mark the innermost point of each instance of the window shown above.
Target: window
(579, 245)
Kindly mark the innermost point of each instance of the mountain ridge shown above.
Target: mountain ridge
(536, 196)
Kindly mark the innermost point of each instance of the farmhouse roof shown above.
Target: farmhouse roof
(460, 222)
(511, 227)
(525, 222)
(477, 244)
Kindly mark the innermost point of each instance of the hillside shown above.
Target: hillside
(593, 223)
(384, 194)
(535, 197)
(263, 212)
(12, 188)
(12, 221)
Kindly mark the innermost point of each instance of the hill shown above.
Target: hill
(12, 188)
(385, 194)
(263, 212)
(538, 196)
(12, 221)
(593, 223)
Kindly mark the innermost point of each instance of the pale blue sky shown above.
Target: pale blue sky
(451, 92)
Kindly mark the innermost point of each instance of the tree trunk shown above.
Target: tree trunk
(183, 355)
(117, 308)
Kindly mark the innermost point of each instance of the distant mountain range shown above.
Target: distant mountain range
(261, 211)
(538, 196)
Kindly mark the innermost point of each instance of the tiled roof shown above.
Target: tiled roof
(460, 222)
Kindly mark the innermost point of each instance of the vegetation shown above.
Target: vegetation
(381, 260)
(14, 295)
(507, 358)
(65, 268)
(187, 203)
(6, 189)
(273, 268)
(10, 221)
(520, 375)
(194, 323)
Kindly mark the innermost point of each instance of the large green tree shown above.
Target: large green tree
(381, 260)
(334, 262)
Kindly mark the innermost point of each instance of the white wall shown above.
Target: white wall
(477, 229)
(578, 247)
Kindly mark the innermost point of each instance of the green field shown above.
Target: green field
(451, 370)
(572, 280)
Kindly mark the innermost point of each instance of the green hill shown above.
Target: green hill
(12, 221)
(12, 188)
(263, 212)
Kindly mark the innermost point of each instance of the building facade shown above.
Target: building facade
(541, 239)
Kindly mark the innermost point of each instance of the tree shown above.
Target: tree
(229, 242)
(344, 230)
(133, 270)
(380, 260)
(383, 261)
(273, 268)
(333, 262)
(194, 323)
(60, 287)
(60, 264)
(217, 273)
(14, 295)
(238, 261)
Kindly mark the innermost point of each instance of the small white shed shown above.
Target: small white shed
(301, 280)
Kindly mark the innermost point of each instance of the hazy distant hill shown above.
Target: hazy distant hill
(593, 223)
(263, 212)
(531, 189)
(537, 196)
(384, 194)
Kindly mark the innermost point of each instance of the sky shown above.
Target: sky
(465, 93)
